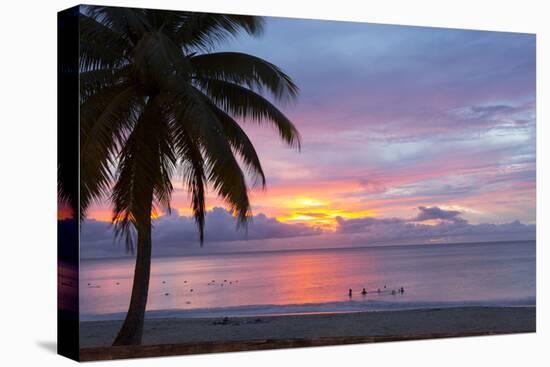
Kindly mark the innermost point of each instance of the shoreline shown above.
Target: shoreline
(336, 307)
(293, 309)
(310, 329)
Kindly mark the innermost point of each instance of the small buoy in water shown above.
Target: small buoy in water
(163, 282)
(191, 290)
(166, 294)
(117, 283)
(185, 281)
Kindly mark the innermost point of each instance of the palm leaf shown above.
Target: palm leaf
(242, 102)
(98, 81)
(130, 23)
(246, 70)
(101, 46)
(222, 169)
(203, 31)
(240, 142)
(193, 171)
(105, 121)
(145, 167)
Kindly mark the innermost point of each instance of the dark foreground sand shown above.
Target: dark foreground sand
(417, 323)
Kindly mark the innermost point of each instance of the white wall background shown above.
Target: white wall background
(28, 182)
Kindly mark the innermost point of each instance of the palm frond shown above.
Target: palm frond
(240, 142)
(167, 157)
(105, 121)
(101, 46)
(67, 185)
(145, 167)
(222, 168)
(157, 58)
(193, 172)
(203, 31)
(99, 80)
(242, 102)
(245, 70)
(131, 23)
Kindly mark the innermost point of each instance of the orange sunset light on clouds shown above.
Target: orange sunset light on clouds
(317, 206)
(316, 212)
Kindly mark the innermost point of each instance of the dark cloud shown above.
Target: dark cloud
(360, 224)
(451, 228)
(435, 212)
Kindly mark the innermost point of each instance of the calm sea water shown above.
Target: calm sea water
(309, 281)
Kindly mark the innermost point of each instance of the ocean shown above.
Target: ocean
(317, 281)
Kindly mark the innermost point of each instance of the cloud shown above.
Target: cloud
(400, 79)
(435, 212)
(450, 228)
(175, 235)
(494, 115)
(172, 231)
(372, 187)
(221, 226)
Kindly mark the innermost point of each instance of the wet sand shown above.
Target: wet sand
(383, 324)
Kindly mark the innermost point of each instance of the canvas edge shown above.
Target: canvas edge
(68, 341)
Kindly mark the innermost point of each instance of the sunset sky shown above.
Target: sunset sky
(402, 127)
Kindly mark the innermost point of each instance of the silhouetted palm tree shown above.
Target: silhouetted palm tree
(154, 98)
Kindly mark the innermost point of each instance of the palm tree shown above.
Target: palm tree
(156, 100)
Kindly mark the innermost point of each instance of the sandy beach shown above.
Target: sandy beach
(417, 323)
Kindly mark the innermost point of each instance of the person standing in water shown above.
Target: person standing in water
(350, 293)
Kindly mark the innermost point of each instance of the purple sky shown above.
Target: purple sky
(407, 131)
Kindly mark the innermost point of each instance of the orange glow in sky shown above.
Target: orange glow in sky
(318, 208)
(317, 212)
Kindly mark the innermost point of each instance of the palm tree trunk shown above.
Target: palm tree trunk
(132, 329)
